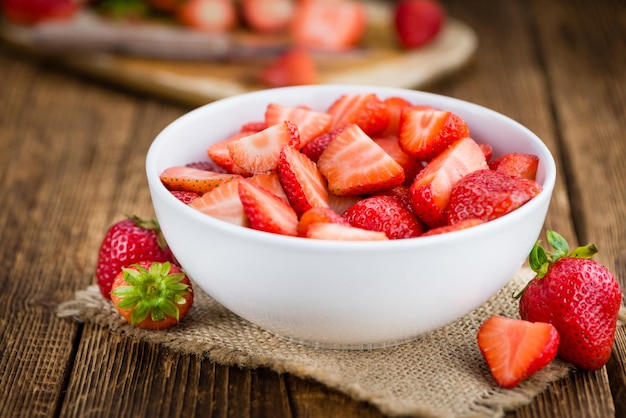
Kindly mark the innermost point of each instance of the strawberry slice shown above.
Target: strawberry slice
(219, 153)
(270, 182)
(267, 16)
(192, 179)
(517, 164)
(430, 192)
(314, 148)
(338, 232)
(259, 152)
(317, 215)
(266, 211)
(465, 223)
(223, 203)
(366, 110)
(310, 123)
(293, 67)
(386, 214)
(216, 16)
(426, 132)
(302, 182)
(515, 349)
(394, 105)
(185, 196)
(353, 164)
(410, 165)
(487, 150)
(253, 126)
(328, 25)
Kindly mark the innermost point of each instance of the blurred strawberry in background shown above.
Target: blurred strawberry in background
(417, 22)
(28, 12)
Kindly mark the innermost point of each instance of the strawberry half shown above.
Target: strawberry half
(219, 153)
(517, 164)
(222, 203)
(394, 106)
(259, 152)
(410, 165)
(354, 164)
(386, 214)
(364, 109)
(302, 182)
(426, 132)
(516, 349)
(192, 179)
(430, 192)
(310, 123)
(266, 211)
(314, 148)
(337, 232)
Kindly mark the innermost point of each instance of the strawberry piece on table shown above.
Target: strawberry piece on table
(302, 182)
(430, 191)
(464, 224)
(386, 214)
(488, 194)
(259, 152)
(192, 179)
(223, 203)
(152, 295)
(293, 67)
(427, 132)
(366, 110)
(338, 232)
(266, 211)
(126, 242)
(576, 294)
(310, 123)
(517, 164)
(214, 16)
(267, 16)
(354, 164)
(417, 22)
(318, 215)
(516, 349)
(328, 25)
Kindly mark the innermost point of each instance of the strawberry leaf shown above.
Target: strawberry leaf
(586, 251)
(558, 243)
(538, 260)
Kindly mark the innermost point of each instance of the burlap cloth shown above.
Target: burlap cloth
(441, 374)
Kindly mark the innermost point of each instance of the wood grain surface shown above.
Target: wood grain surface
(72, 151)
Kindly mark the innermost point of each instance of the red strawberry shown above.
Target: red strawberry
(338, 232)
(28, 12)
(266, 211)
(317, 215)
(185, 196)
(417, 22)
(314, 148)
(216, 16)
(219, 153)
(410, 165)
(270, 182)
(487, 150)
(126, 242)
(259, 152)
(223, 203)
(488, 194)
(253, 126)
(386, 214)
(515, 349)
(328, 25)
(577, 295)
(427, 132)
(302, 182)
(267, 16)
(394, 106)
(294, 67)
(152, 295)
(430, 192)
(465, 223)
(353, 164)
(207, 166)
(403, 194)
(192, 179)
(310, 123)
(366, 110)
(517, 164)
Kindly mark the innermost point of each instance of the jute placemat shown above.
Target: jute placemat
(441, 374)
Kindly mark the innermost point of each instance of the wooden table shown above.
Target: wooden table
(71, 163)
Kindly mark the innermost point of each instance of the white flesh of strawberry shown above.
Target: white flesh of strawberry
(222, 203)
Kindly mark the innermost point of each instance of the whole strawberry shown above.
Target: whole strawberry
(126, 242)
(577, 295)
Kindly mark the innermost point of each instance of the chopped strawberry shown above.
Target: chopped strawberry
(426, 132)
(253, 126)
(366, 110)
(267, 16)
(430, 192)
(207, 166)
(487, 150)
(294, 67)
(517, 164)
(219, 153)
(338, 232)
(488, 194)
(266, 211)
(353, 164)
(314, 148)
(192, 179)
(386, 214)
(403, 194)
(417, 22)
(394, 105)
(465, 223)
(215, 16)
(259, 152)
(223, 203)
(302, 182)
(185, 196)
(270, 182)
(515, 349)
(328, 25)
(317, 215)
(410, 165)
(310, 123)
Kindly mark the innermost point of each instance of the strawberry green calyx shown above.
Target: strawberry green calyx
(154, 291)
(539, 259)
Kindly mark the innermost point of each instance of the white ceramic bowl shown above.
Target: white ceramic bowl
(344, 294)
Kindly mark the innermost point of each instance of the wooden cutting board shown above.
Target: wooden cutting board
(379, 61)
